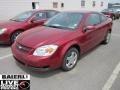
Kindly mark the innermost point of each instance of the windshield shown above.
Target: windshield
(22, 17)
(65, 20)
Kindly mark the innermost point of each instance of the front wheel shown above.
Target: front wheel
(107, 38)
(15, 35)
(70, 59)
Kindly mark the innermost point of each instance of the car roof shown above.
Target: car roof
(84, 12)
(75, 11)
(38, 10)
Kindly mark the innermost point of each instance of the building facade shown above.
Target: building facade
(10, 8)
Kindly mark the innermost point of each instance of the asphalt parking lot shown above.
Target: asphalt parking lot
(96, 70)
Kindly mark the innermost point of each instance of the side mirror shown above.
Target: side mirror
(91, 27)
(33, 20)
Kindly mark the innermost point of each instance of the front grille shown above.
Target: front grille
(23, 48)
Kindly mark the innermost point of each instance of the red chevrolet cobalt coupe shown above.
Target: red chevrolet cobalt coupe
(11, 29)
(62, 40)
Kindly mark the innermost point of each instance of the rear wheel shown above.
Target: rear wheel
(70, 59)
(118, 17)
(113, 18)
(107, 38)
(15, 35)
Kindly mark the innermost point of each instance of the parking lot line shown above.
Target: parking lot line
(6, 56)
(112, 78)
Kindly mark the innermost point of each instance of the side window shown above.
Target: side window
(93, 19)
(41, 15)
(103, 18)
(51, 14)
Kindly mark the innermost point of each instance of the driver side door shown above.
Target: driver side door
(90, 37)
(37, 20)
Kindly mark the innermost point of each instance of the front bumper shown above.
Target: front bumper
(19, 63)
(36, 62)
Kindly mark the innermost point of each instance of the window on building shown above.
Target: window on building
(55, 4)
(35, 5)
(102, 3)
(62, 5)
(82, 3)
(94, 3)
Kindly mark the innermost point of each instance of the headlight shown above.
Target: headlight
(3, 30)
(46, 50)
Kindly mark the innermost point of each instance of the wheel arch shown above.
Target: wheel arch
(74, 45)
(68, 46)
(14, 32)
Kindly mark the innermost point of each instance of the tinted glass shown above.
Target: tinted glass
(41, 15)
(65, 20)
(22, 17)
(103, 17)
(93, 19)
(51, 14)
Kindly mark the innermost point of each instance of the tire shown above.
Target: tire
(14, 36)
(117, 17)
(107, 38)
(70, 59)
(113, 18)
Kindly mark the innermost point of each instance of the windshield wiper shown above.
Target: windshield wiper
(14, 20)
(54, 26)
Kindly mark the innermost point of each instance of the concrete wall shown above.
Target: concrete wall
(10, 8)
(76, 5)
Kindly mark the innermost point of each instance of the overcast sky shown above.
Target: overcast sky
(114, 1)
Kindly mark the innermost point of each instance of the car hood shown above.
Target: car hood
(42, 36)
(9, 24)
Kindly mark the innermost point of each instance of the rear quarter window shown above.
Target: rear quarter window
(51, 14)
(103, 17)
(40, 15)
(93, 19)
